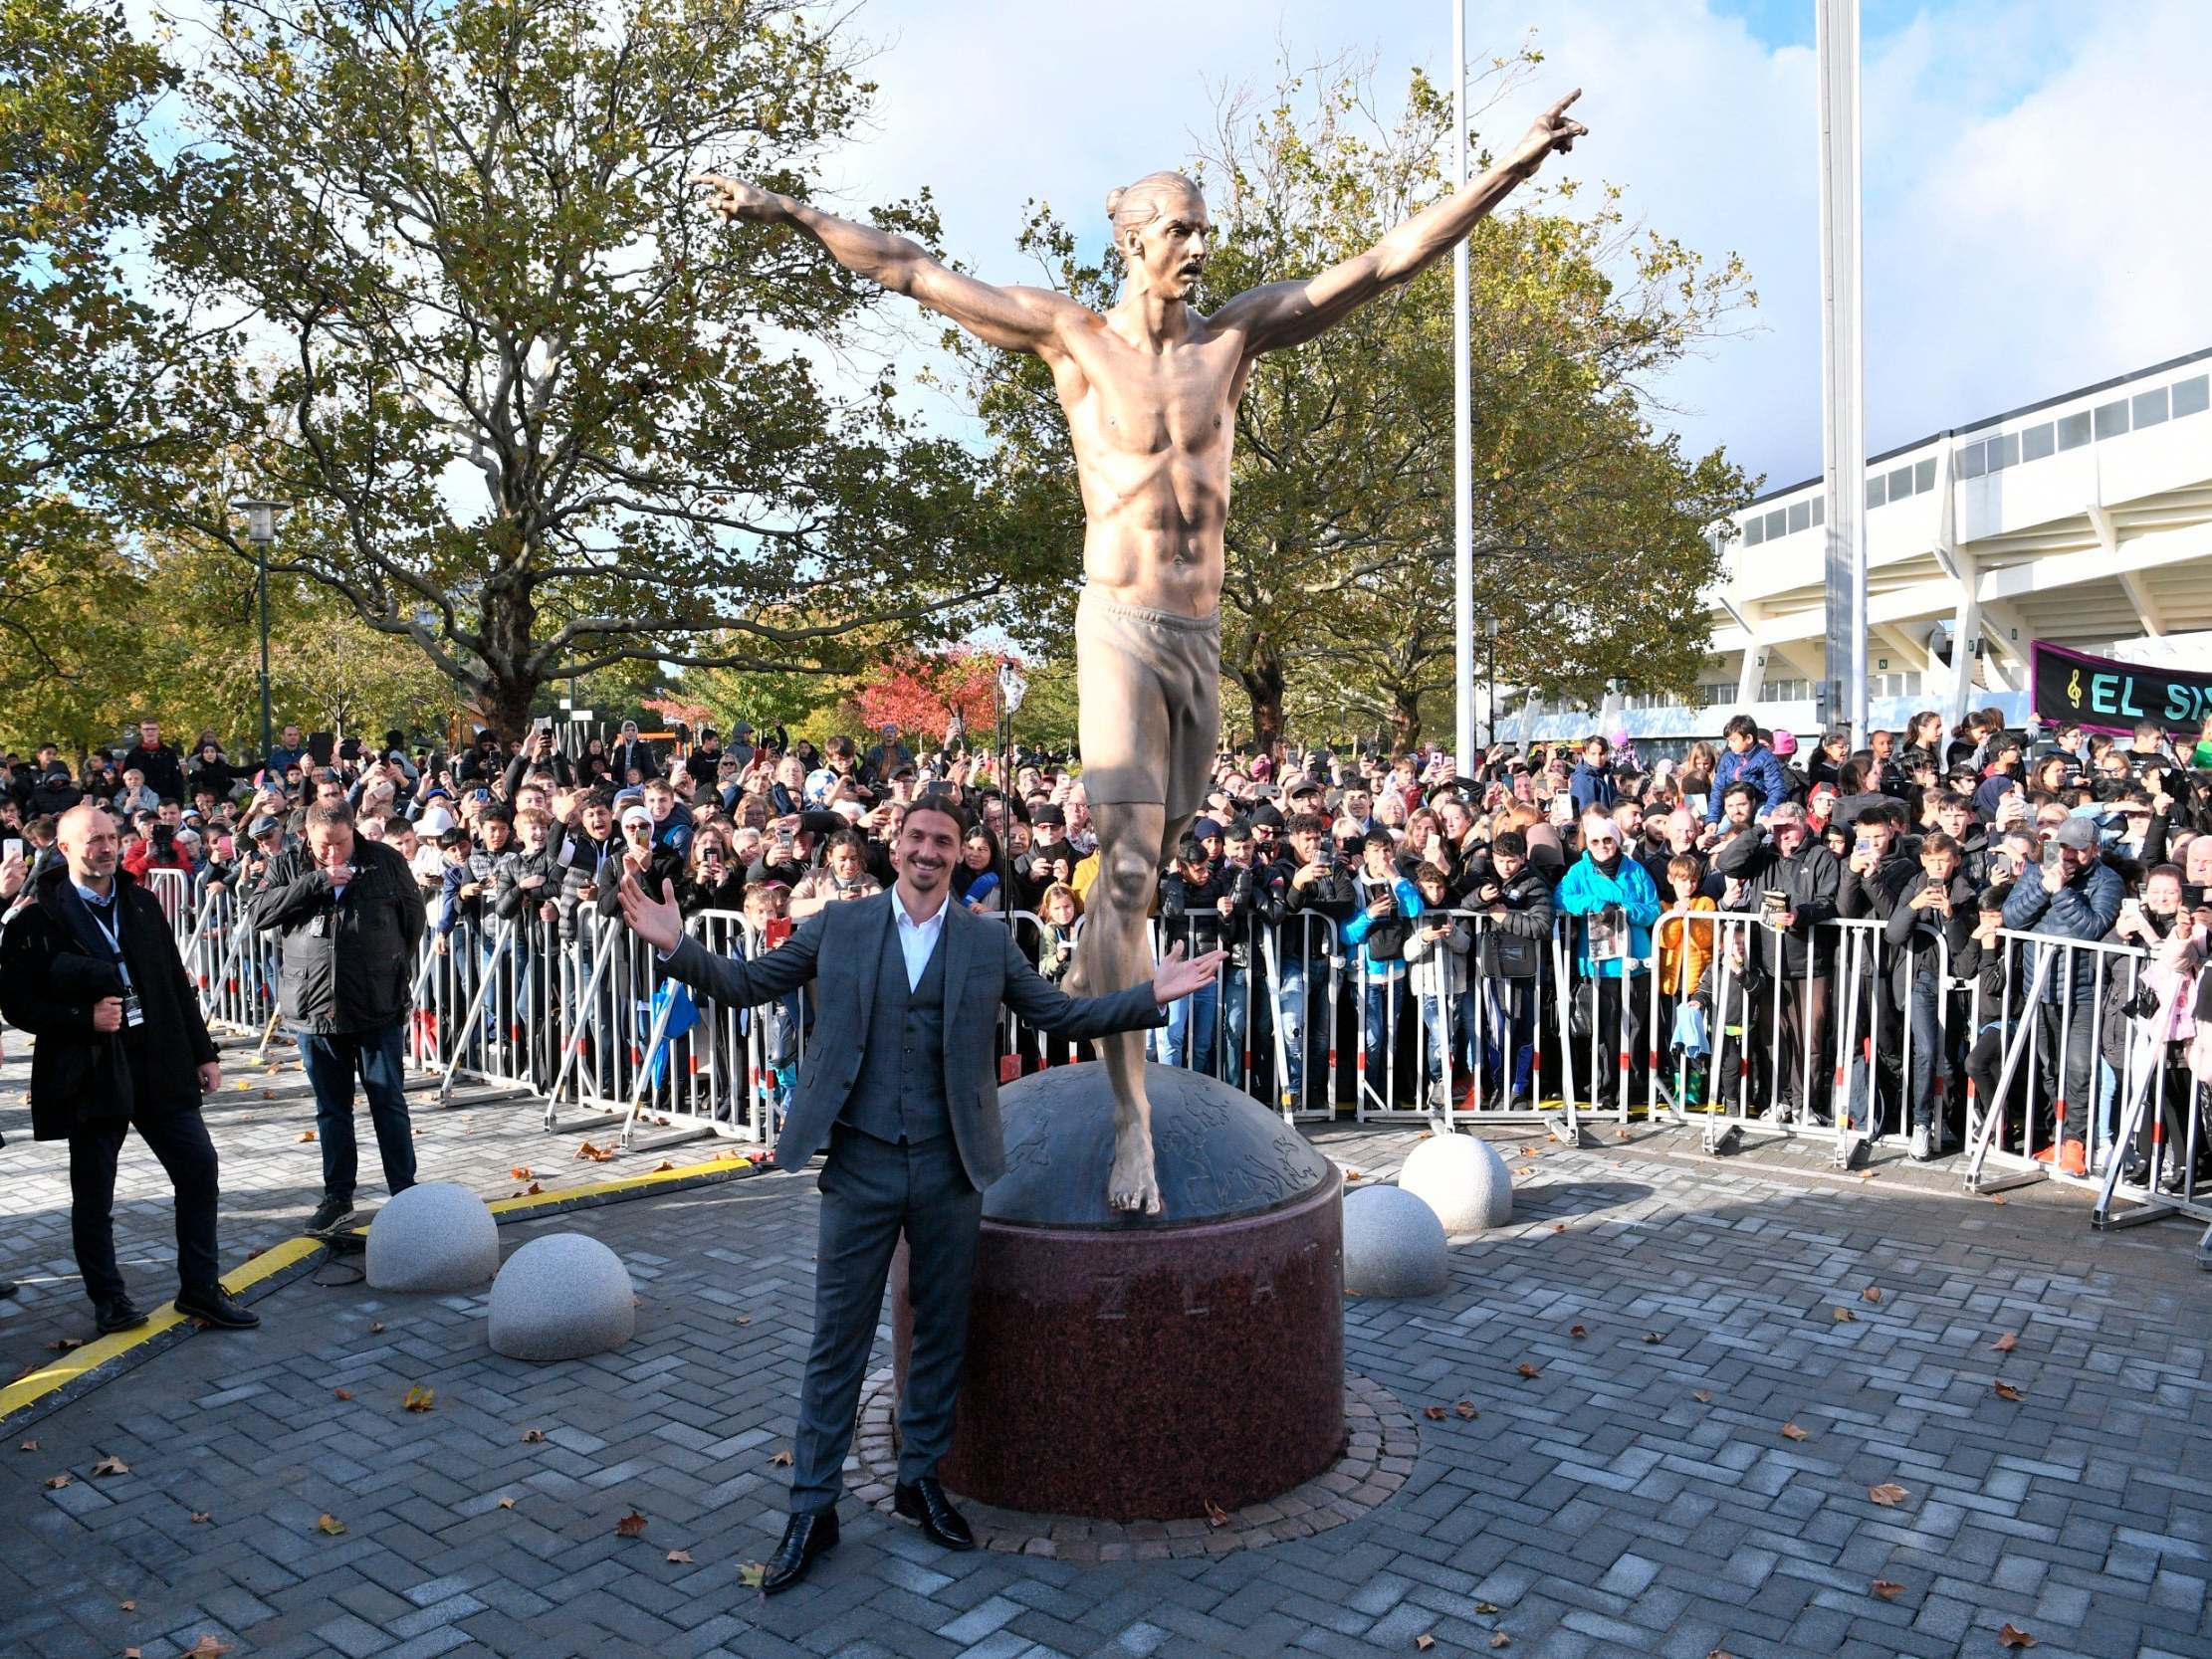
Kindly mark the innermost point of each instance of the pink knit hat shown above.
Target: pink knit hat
(1785, 744)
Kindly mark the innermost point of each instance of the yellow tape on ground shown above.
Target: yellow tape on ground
(102, 1349)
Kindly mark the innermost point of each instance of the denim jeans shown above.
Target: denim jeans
(1382, 1003)
(1437, 1018)
(1929, 1062)
(1303, 1008)
(1188, 1037)
(1236, 1007)
(330, 1063)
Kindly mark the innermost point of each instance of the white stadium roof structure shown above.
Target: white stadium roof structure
(2084, 521)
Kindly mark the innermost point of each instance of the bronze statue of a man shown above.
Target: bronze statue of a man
(1150, 390)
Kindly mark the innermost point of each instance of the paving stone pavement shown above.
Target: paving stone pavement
(1597, 1509)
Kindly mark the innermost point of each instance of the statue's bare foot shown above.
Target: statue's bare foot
(1130, 1186)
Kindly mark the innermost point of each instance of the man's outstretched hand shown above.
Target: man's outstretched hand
(734, 200)
(1552, 131)
(1178, 978)
(659, 925)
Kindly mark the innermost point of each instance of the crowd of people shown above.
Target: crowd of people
(1418, 913)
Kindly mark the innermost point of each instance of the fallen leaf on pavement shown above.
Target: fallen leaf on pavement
(133, 1653)
(1528, 1371)
(1790, 1432)
(744, 1318)
(306, 1136)
(207, 1647)
(1703, 1397)
(330, 1524)
(521, 1172)
(28, 1446)
(532, 1191)
(1435, 1413)
(1423, 1644)
(681, 1557)
(110, 1466)
(419, 1399)
(201, 1518)
(2012, 1638)
(1873, 1293)
(1351, 1175)
(2006, 1342)
(376, 1327)
(1485, 1606)
(63, 1344)
(55, 1483)
(750, 1573)
(1844, 1316)
(1887, 1590)
(1576, 1332)
(663, 1166)
(1889, 1493)
(1559, 1226)
(127, 1607)
(342, 1393)
(598, 1155)
(533, 1436)
(782, 1459)
(1216, 1516)
(1500, 1639)
(507, 1503)
(1525, 1169)
(1467, 1409)
(1998, 1198)
(630, 1524)
(2006, 1391)
(1650, 1336)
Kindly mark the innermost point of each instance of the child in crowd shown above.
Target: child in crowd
(1437, 949)
(1684, 947)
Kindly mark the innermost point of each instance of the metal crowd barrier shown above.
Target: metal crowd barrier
(1862, 1044)
(2085, 1026)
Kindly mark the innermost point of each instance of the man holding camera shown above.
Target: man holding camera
(349, 916)
(1798, 883)
(89, 967)
(2070, 894)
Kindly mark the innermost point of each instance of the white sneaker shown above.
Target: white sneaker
(1921, 1151)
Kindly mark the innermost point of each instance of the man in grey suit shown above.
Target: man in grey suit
(901, 1083)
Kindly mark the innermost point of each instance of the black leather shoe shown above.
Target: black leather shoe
(122, 1313)
(216, 1307)
(804, 1536)
(330, 1213)
(925, 1501)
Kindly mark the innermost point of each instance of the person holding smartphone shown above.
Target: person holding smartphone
(2071, 894)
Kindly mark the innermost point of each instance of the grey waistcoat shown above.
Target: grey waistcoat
(900, 1093)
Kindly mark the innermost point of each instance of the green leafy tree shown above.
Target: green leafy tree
(542, 417)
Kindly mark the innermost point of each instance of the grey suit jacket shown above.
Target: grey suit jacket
(840, 947)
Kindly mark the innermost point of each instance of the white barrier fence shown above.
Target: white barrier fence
(1853, 1031)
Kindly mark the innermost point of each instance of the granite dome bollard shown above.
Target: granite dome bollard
(1463, 1179)
(1393, 1245)
(566, 1296)
(435, 1237)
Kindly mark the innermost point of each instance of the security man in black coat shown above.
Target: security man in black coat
(89, 968)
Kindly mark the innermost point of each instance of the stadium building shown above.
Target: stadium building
(2084, 521)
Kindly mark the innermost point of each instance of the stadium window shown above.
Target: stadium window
(2112, 419)
(2037, 442)
(1970, 461)
(2004, 451)
(1875, 488)
(1901, 484)
(1801, 516)
(1777, 521)
(2150, 407)
(2074, 430)
(1820, 509)
(2191, 396)
(1924, 476)
(1754, 531)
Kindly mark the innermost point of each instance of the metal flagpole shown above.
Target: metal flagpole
(1463, 424)
(1843, 370)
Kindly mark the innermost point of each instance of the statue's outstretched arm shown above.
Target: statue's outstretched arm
(1278, 315)
(1019, 318)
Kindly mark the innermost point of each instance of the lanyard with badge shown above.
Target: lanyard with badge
(134, 1012)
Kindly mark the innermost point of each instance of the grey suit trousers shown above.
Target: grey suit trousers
(871, 1191)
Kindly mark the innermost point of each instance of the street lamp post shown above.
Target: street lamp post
(262, 519)
(1489, 695)
(1013, 685)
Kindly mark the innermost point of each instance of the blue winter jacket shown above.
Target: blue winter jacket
(1592, 787)
(1587, 890)
(2085, 908)
(1758, 767)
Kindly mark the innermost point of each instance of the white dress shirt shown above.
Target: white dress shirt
(918, 939)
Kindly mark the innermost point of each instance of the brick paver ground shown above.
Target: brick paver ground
(1601, 1507)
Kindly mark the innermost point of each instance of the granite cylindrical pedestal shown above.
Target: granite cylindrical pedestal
(1133, 1368)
